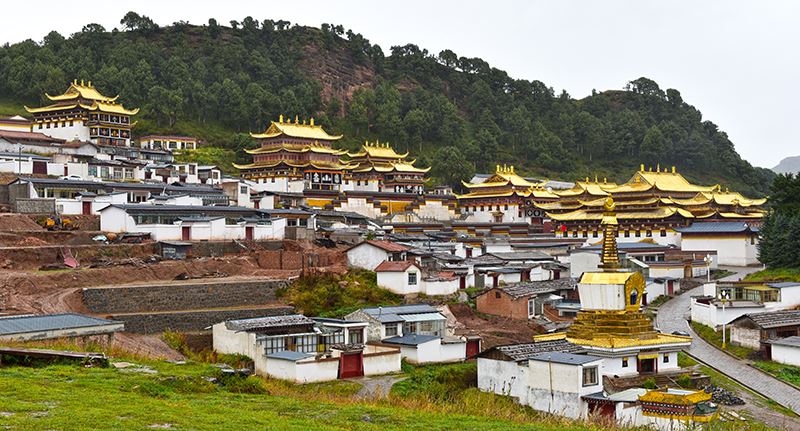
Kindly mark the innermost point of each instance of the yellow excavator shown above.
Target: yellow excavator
(56, 222)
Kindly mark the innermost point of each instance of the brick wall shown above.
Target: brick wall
(505, 306)
(150, 323)
(189, 296)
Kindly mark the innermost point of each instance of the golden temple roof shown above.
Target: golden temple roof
(83, 91)
(321, 149)
(655, 213)
(681, 397)
(378, 150)
(595, 188)
(315, 164)
(78, 92)
(666, 180)
(615, 342)
(503, 176)
(295, 130)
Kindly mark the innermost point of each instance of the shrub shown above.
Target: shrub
(332, 295)
(650, 383)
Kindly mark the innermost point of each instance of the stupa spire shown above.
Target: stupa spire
(609, 224)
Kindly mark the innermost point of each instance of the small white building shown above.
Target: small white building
(303, 350)
(786, 350)
(736, 243)
(192, 222)
(406, 278)
(419, 330)
(541, 376)
(370, 253)
(742, 297)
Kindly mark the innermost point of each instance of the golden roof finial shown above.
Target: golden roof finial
(90, 83)
(296, 119)
(650, 169)
(81, 83)
(673, 169)
(304, 122)
(587, 179)
(658, 167)
(595, 179)
(497, 169)
(641, 167)
(280, 118)
(605, 180)
(312, 121)
(75, 81)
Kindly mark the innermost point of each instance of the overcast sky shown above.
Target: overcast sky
(736, 61)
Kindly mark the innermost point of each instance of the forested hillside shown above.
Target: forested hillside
(458, 114)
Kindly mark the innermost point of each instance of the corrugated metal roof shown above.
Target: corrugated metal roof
(773, 319)
(422, 317)
(400, 309)
(793, 341)
(49, 322)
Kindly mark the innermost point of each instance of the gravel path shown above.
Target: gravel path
(376, 387)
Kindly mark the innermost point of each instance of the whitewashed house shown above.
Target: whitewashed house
(405, 277)
(303, 350)
(742, 297)
(192, 222)
(785, 350)
(736, 243)
(419, 330)
(370, 253)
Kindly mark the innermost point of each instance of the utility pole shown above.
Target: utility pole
(724, 295)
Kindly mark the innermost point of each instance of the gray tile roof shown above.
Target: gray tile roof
(411, 339)
(522, 255)
(793, 341)
(718, 227)
(49, 322)
(267, 322)
(773, 319)
(564, 358)
(531, 288)
(525, 351)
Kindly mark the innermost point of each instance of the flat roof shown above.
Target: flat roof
(411, 339)
(288, 355)
(564, 358)
(793, 341)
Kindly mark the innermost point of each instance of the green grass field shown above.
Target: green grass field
(775, 274)
(68, 397)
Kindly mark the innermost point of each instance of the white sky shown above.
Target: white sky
(736, 61)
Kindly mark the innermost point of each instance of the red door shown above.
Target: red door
(462, 283)
(40, 168)
(351, 365)
(87, 208)
(186, 233)
(670, 288)
(248, 233)
(473, 348)
(556, 274)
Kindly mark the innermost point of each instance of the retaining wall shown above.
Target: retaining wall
(195, 320)
(181, 296)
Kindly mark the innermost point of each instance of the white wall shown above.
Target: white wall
(730, 251)
(786, 354)
(602, 296)
(503, 378)
(434, 209)
(453, 352)
(557, 388)
(439, 287)
(380, 364)
(366, 256)
(583, 261)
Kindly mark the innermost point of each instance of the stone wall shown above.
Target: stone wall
(181, 296)
(33, 206)
(151, 323)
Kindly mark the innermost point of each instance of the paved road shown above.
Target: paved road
(672, 317)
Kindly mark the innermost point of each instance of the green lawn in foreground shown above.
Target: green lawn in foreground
(68, 397)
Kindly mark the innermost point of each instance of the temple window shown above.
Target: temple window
(663, 232)
(634, 296)
(638, 233)
(481, 207)
(666, 358)
(624, 362)
(506, 207)
(594, 234)
(649, 233)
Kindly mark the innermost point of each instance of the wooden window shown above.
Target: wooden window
(531, 307)
(590, 376)
(624, 362)
(391, 329)
(497, 295)
(412, 278)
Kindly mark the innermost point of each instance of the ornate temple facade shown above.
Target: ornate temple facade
(505, 197)
(295, 156)
(83, 113)
(652, 204)
(380, 168)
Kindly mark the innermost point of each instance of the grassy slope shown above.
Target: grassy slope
(70, 397)
(775, 274)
